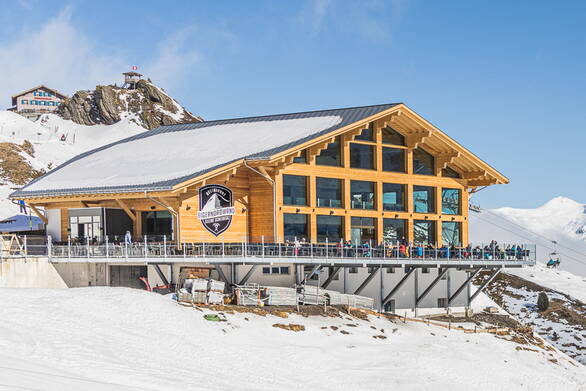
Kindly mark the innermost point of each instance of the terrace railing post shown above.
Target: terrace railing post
(384, 250)
(69, 246)
(165, 246)
(203, 248)
(356, 252)
(146, 249)
(311, 250)
(25, 246)
(107, 255)
(370, 247)
(223, 247)
(49, 247)
(327, 248)
(263, 245)
(87, 245)
(184, 251)
(279, 249)
(342, 249)
(242, 249)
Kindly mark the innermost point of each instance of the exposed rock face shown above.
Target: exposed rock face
(147, 105)
(15, 166)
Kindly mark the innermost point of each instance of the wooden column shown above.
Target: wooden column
(137, 224)
(312, 204)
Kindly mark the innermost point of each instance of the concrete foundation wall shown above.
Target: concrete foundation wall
(39, 273)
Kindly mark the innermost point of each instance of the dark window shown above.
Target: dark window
(442, 302)
(450, 173)
(302, 158)
(329, 192)
(362, 156)
(425, 270)
(295, 226)
(157, 223)
(423, 232)
(366, 134)
(330, 156)
(393, 197)
(451, 233)
(423, 199)
(423, 162)
(390, 306)
(451, 201)
(362, 194)
(393, 159)
(393, 230)
(390, 270)
(275, 270)
(391, 136)
(294, 190)
(363, 229)
(330, 227)
(353, 270)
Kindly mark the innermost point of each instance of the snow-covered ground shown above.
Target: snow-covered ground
(46, 133)
(123, 339)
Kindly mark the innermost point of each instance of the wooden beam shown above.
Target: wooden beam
(473, 174)
(443, 159)
(38, 213)
(414, 139)
(127, 210)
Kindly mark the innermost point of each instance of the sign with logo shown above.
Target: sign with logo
(215, 208)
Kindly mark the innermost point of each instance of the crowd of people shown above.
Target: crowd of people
(404, 249)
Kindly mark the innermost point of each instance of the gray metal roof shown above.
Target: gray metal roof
(347, 115)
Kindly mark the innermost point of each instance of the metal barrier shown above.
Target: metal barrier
(328, 251)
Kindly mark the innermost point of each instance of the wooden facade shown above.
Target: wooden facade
(257, 186)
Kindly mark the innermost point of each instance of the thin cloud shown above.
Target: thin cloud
(373, 20)
(62, 56)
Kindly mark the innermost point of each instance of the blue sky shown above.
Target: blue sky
(504, 78)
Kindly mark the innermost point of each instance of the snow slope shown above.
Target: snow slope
(561, 220)
(45, 134)
(123, 339)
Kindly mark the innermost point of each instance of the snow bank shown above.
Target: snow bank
(172, 155)
(119, 339)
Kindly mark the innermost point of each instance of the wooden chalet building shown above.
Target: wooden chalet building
(369, 174)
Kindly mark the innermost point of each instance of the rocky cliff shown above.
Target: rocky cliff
(147, 105)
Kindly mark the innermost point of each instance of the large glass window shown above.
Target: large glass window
(294, 190)
(330, 156)
(451, 233)
(451, 201)
(329, 192)
(391, 136)
(295, 226)
(423, 199)
(362, 194)
(394, 229)
(393, 159)
(157, 223)
(450, 173)
(424, 232)
(330, 227)
(366, 134)
(363, 229)
(393, 197)
(85, 227)
(423, 162)
(302, 158)
(362, 156)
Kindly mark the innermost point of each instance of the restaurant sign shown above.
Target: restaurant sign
(215, 208)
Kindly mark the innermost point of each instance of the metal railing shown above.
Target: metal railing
(390, 251)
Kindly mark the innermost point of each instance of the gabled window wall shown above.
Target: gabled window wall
(352, 190)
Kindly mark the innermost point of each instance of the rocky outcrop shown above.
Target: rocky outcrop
(147, 105)
(15, 166)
